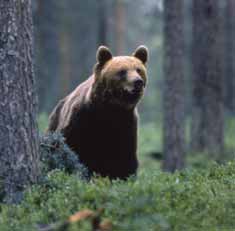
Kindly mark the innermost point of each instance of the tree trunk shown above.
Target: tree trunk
(173, 94)
(207, 81)
(47, 53)
(19, 156)
(65, 49)
(119, 27)
(103, 24)
(230, 55)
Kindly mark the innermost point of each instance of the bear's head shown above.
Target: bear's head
(120, 80)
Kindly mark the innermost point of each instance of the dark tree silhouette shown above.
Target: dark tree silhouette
(207, 81)
(47, 64)
(230, 55)
(173, 93)
(102, 37)
(120, 21)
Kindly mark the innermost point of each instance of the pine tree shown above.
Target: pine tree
(173, 93)
(207, 82)
(18, 130)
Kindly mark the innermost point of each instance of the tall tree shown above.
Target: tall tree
(65, 48)
(120, 26)
(230, 55)
(47, 66)
(103, 24)
(207, 81)
(18, 132)
(173, 93)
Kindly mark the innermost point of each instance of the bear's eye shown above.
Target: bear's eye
(139, 71)
(122, 72)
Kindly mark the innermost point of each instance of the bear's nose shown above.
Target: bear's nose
(138, 84)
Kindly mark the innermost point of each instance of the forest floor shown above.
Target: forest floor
(202, 197)
(189, 200)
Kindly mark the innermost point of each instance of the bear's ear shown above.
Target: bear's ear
(103, 55)
(142, 54)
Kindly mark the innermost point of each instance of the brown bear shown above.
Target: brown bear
(99, 118)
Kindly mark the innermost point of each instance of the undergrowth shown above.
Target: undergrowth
(202, 197)
(188, 200)
(55, 154)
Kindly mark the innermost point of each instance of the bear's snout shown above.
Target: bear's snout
(138, 84)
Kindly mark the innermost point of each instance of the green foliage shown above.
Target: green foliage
(229, 134)
(199, 198)
(150, 136)
(42, 121)
(199, 161)
(188, 200)
(149, 143)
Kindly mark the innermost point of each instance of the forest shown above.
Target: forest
(183, 138)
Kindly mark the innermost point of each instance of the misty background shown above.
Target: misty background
(68, 33)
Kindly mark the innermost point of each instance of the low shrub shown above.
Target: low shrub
(187, 200)
(55, 154)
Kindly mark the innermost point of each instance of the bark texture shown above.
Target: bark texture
(173, 94)
(18, 133)
(230, 55)
(207, 81)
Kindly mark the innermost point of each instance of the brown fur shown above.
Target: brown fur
(99, 118)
